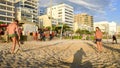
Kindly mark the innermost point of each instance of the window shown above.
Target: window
(9, 19)
(2, 18)
(2, 13)
(2, 7)
(9, 14)
(8, 3)
(10, 9)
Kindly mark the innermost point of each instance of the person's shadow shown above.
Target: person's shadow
(77, 60)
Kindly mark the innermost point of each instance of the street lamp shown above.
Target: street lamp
(51, 13)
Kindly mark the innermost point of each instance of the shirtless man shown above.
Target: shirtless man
(12, 31)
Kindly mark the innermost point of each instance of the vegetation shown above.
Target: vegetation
(81, 32)
(48, 27)
(1, 23)
(66, 28)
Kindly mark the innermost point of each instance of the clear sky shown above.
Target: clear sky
(102, 10)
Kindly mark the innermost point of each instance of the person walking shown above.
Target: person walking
(98, 37)
(35, 35)
(12, 31)
(114, 39)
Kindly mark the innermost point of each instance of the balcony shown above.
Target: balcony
(32, 6)
(1, 4)
(4, 21)
(31, 2)
(7, 10)
(6, 16)
(10, 1)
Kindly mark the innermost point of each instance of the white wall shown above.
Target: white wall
(29, 28)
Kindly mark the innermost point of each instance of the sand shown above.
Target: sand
(60, 54)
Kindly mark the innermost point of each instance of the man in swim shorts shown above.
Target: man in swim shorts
(12, 31)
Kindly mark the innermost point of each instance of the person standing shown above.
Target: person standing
(114, 39)
(35, 35)
(20, 34)
(13, 33)
(98, 37)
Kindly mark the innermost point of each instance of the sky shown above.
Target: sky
(101, 10)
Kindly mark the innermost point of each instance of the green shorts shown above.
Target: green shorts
(12, 35)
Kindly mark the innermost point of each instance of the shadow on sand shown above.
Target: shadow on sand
(77, 61)
(111, 48)
(92, 46)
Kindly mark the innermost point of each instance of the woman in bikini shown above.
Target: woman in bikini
(98, 37)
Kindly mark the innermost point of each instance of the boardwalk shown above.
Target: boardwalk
(60, 54)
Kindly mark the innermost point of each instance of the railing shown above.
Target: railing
(6, 16)
(6, 5)
(6, 11)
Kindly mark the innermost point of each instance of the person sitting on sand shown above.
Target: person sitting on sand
(98, 37)
(13, 33)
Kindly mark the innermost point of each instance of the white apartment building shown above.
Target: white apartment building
(112, 28)
(77, 26)
(27, 10)
(104, 26)
(6, 11)
(107, 27)
(118, 29)
(63, 13)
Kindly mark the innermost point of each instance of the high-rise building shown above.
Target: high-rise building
(6, 11)
(62, 12)
(84, 19)
(26, 10)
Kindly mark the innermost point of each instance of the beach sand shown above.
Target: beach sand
(60, 54)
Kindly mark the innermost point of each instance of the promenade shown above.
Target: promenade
(60, 54)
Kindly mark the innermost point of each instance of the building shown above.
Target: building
(107, 27)
(112, 28)
(77, 26)
(26, 10)
(63, 13)
(118, 30)
(103, 25)
(44, 21)
(84, 18)
(6, 11)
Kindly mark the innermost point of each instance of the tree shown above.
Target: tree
(48, 28)
(78, 31)
(66, 28)
(1, 22)
(53, 27)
